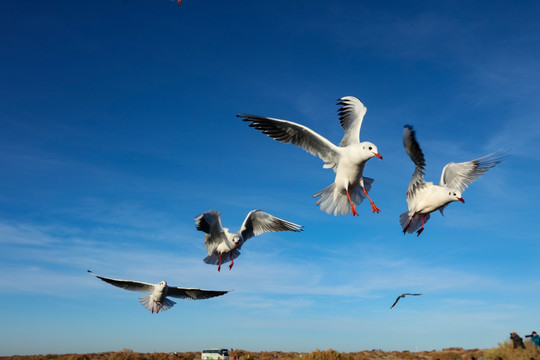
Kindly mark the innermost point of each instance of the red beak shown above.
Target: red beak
(461, 199)
(378, 155)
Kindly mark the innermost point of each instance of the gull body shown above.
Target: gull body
(224, 246)
(424, 197)
(157, 300)
(347, 160)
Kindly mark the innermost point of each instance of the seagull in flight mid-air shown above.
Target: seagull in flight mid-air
(347, 160)
(219, 241)
(402, 296)
(423, 197)
(157, 300)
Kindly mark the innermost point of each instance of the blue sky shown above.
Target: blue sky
(118, 127)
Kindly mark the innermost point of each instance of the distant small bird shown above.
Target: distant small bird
(158, 299)
(219, 241)
(402, 296)
(424, 197)
(347, 160)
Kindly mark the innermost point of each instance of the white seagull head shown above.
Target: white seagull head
(237, 240)
(371, 149)
(455, 195)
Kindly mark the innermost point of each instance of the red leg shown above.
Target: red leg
(354, 212)
(219, 265)
(232, 262)
(374, 208)
(422, 229)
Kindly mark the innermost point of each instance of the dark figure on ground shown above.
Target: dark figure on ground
(518, 341)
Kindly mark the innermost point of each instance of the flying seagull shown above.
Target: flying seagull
(423, 197)
(347, 160)
(157, 300)
(219, 241)
(402, 296)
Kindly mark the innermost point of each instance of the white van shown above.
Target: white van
(215, 354)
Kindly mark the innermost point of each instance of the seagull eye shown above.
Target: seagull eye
(370, 148)
(454, 194)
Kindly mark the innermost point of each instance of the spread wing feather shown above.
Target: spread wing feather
(351, 115)
(417, 156)
(461, 175)
(127, 284)
(299, 135)
(258, 222)
(193, 294)
(210, 223)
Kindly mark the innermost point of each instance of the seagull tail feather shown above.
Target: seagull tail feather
(147, 302)
(332, 201)
(416, 222)
(225, 258)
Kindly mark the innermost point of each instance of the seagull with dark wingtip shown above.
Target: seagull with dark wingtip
(424, 197)
(219, 241)
(347, 160)
(157, 300)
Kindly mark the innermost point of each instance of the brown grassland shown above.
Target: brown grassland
(504, 351)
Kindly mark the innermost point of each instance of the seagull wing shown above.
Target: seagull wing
(210, 223)
(417, 156)
(258, 222)
(461, 175)
(299, 135)
(193, 294)
(395, 302)
(127, 284)
(351, 115)
(412, 294)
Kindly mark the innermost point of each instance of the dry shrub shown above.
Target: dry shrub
(329, 354)
(506, 351)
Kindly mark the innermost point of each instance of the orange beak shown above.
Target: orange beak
(378, 155)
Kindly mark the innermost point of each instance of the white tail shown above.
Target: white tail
(225, 258)
(334, 201)
(148, 303)
(416, 222)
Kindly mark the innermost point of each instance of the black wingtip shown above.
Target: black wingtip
(245, 117)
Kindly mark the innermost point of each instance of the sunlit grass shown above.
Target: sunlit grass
(504, 351)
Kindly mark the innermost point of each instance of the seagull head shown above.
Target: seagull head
(237, 240)
(163, 284)
(455, 195)
(372, 149)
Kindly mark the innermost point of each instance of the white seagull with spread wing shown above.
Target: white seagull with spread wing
(219, 241)
(424, 197)
(157, 300)
(347, 160)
